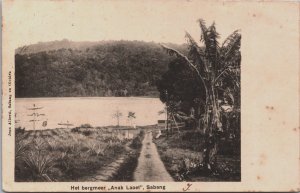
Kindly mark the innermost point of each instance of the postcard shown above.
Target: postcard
(150, 96)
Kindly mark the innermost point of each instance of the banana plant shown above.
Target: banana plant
(217, 67)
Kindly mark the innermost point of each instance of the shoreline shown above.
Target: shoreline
(96, 97)
(121, 127)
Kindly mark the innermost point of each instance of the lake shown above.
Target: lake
(96, 111)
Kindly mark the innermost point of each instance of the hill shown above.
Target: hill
(108, 68)
(55, 45)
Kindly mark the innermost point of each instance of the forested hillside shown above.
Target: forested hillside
(112, 68)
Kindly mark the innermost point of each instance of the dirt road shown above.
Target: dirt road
(150, 167)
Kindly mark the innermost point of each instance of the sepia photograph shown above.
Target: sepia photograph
(123, 110)
(147, 96)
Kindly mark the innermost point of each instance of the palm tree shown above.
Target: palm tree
(217, 67)
(131, 116)
(117, 115)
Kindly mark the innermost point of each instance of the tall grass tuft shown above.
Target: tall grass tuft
(21, 147)
(38, 161)
(39, 164)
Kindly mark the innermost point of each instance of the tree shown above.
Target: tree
(117, 115)
(123, 67)
(217, 68)
(131, 116)
(177, 86)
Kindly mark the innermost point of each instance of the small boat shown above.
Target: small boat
(34, 107)
(65, 124)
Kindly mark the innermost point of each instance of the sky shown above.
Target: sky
(158, 21)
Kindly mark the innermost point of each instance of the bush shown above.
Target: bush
(53, 132)
(75, 130)
(192, 135)
(87, 133)
(21, 147)
(53, 145)
(20, 130)
(142, 133)
(39, 164)
(115, 148)
(137, 141)
(86, 125)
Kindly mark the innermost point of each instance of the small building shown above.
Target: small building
(162, 124)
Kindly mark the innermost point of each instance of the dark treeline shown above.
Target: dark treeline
(112, 68)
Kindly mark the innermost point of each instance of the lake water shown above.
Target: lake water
(97, 111)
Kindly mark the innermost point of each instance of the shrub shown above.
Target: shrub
(137, 141)
(53, 132)
(71, 147)
(39, 164)
(87, 133)
(96, 148)
(39, 144)
(20, 130)
(64, 161)
(100, 149)
(191, 135)
(53, 145)
(115, 148)
(187, 167)
(75, 130)
(86, 125)
(21, 147)
(141, 133)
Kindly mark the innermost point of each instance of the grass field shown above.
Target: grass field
(66, 154)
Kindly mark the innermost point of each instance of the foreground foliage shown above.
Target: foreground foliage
(209, 81)
(64, 154)
(183, 157)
